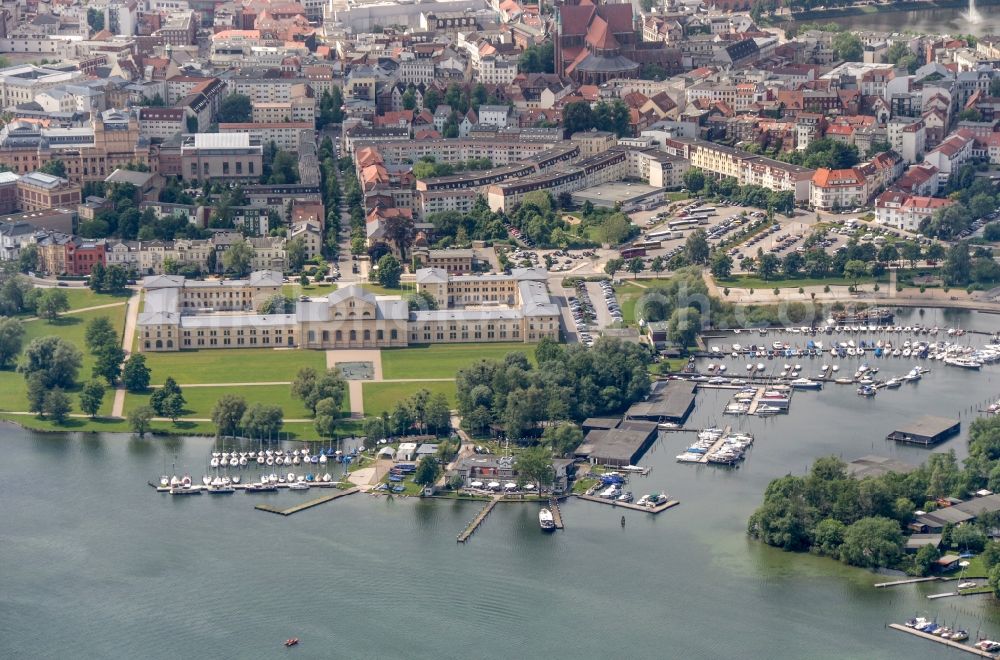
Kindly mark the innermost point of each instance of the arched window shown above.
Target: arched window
(380, 335)
(368, 335)
(326, 335)
(311, 335)
(339, 335)
(354, 335)
(159, 343)
(170, 343)
(393, 334)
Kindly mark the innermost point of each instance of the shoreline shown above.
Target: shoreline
(864, 10)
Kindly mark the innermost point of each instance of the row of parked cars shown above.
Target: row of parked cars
(726, 226)
(773, 229)
(614, 309)
(516, 233)
(583, 313)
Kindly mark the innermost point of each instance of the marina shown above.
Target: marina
(718, 446)
(511, 570)
(947, 642)
(306, 505)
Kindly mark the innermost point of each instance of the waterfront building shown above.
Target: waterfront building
(181, 313)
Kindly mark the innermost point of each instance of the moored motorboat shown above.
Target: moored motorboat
(545, 520)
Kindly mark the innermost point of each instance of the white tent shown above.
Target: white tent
(407, 451)
(387, 451)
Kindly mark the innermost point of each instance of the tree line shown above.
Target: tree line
(864, 522)
(570, 384)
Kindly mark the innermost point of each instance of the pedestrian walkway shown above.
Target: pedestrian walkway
(131, 315)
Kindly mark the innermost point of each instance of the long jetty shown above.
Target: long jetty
(477, 521)
(556, 513)
(306, 505)
(882, 585)
(629, 505)
(947, 642)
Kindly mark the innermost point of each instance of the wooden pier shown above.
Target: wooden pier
(755, 401)
(477, 521)
(556, 514)
(947, 642)
(717, 444)
(306, 505)
(669, 504)
(882, 585)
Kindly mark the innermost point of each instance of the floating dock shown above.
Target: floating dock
(722, 439)
(669, 504)
(306, 505)
(556, 513)
(947, 642)
(477, 521)
(882, 585)
(755, 401)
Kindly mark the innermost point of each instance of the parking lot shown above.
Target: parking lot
(606, 307)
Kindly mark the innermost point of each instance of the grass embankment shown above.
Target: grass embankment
(201, 400)
(240, 365)
(444, 360)
(383, 397)
(753, 282)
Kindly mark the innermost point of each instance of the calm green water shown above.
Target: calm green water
(94, 564)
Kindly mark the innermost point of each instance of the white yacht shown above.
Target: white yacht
(545, 520)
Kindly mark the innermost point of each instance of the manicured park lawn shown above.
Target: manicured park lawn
(379, 290)
(80, 297)
(201, 400)
(70, 327)
(383, 397)
(294, 290)
(234, 365)
(444, 360)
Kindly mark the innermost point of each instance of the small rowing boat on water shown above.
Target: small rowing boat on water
(292, 641)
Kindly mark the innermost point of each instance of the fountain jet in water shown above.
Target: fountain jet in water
(973, 15)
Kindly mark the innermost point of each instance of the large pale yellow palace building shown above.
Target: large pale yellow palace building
(182, 314)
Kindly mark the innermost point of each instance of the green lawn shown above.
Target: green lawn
(201, 400)
(295, 290)
(383, 397)
(80, 297)
(379, 290)
(751, 282)
(234, 365)
(629, 293)
(444, 360)
(70, 327)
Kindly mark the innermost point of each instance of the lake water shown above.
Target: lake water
(924, 21)
(95, 564)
